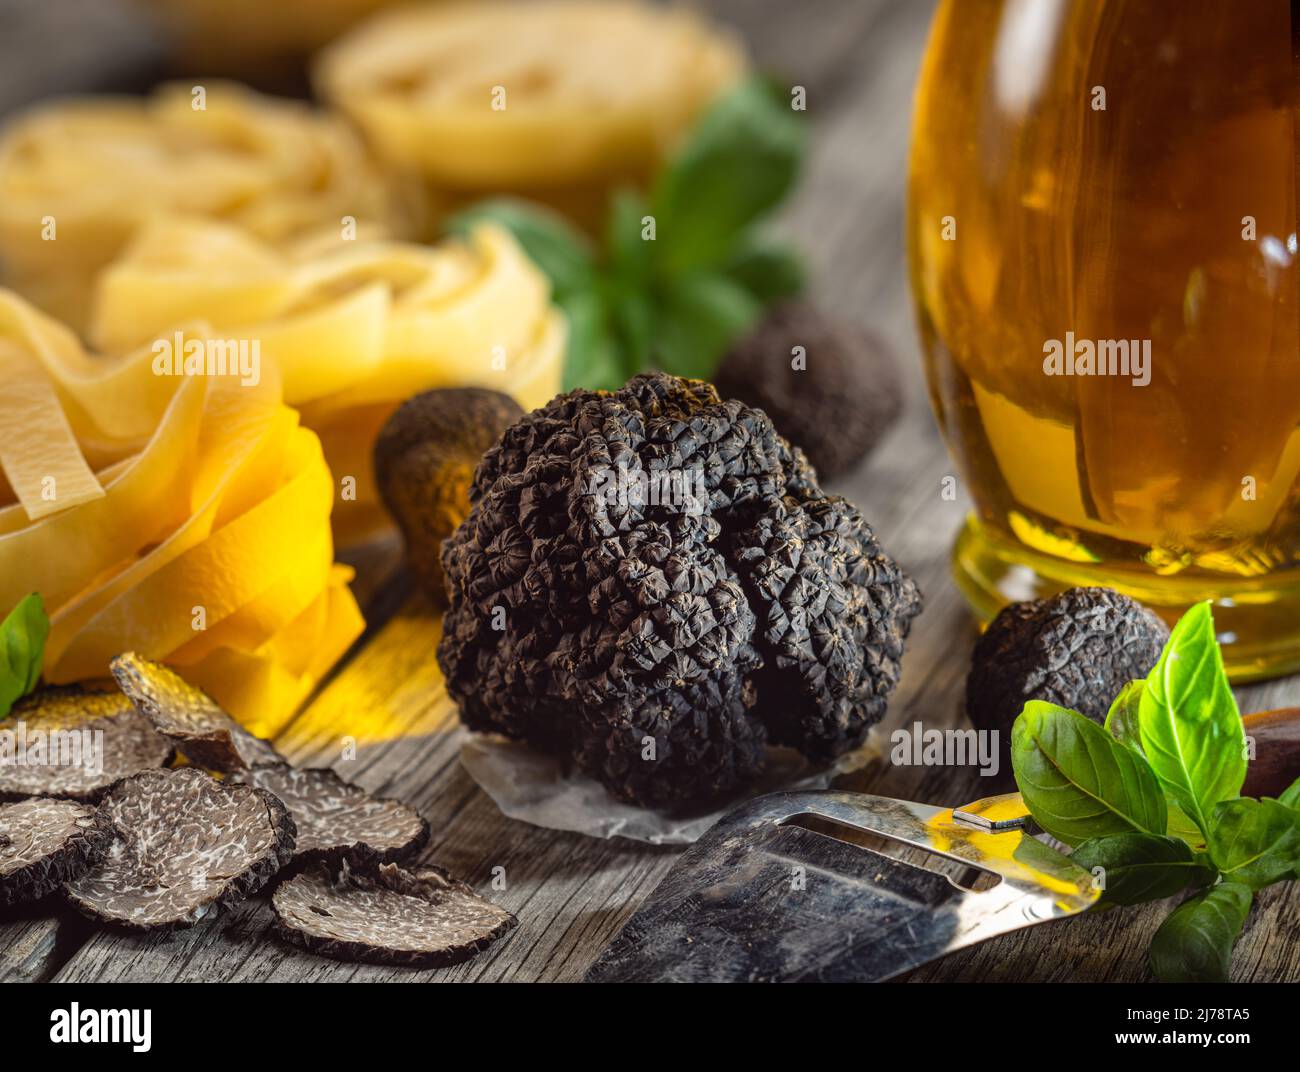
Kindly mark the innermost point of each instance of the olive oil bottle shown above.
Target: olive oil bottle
(1102, 232)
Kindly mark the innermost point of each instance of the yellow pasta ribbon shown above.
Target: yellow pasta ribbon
(560, 100)
(209, 544)
(79, 177)
(351, 329)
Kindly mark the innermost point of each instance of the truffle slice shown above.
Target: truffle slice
(203, 732)
(1077, 649)
(838, 406)
(120, 740)
(425, 458)
(338, 820)
(186, 847)
(383, 914)
(45, 843)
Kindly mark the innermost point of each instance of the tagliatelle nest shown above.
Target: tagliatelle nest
(186, 518)
(353, 328)
(561, 100)
(93, 170)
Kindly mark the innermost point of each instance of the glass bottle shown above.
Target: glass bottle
(1102, 240)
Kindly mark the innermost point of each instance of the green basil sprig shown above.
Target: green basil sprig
(22, 649)
(1152, 800)
(684, 271)
(1143, 867)
(1194, 943)
(1077, 781)
(1191, 730)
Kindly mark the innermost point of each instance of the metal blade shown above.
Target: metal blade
(760, 898)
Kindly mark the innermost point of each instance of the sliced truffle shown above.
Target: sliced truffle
(1077, 649)
(85, 742)
(651, 582)
(422, 918)
(337, 820)
(204, 733)
(45, 843)
(832, 389)
(425, 458)
(186, 846)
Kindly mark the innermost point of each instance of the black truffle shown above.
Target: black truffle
(202, 730)
(652, 582)
(336, 820)
(45, 843)
(186, 847)
(424, 465)
(383, 914)
(838, 406)
(1077, 650)
(125, 742)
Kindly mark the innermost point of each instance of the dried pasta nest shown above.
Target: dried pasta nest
(100, 167)
(354, 328)
(559, 100)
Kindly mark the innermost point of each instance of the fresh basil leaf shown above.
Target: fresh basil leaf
(738, 163)
(590, 359)
(628, 253)
(558, 248)
(22, 649)
(1190, 727)
(1291, 795)
(1122, 719)
(1194, 944)
(768, 269)
(1183, 828)
(698, 317)
(633, 319)
(1077, 781)
(1255, 842)
(1142, 867)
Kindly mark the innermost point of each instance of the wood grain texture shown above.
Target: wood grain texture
(858, 59)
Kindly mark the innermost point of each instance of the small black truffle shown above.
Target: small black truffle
(422, 918)
(202, 730)
(838, 406)
(45, 843)
(127, 743)
(651, 582)
(336, 820)
(425, 458)
(186, 846)
(1077, 649)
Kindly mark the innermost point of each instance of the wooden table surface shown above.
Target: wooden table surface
(858, 60)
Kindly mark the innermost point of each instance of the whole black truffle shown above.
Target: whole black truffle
(651, 582)
(838, 406)
(1077, 650)
(424, 462)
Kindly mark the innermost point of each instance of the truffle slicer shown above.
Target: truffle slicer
(789, 888)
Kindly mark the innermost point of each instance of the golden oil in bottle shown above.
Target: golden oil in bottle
(1102, 230)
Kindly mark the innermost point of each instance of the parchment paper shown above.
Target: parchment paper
(534, 788)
